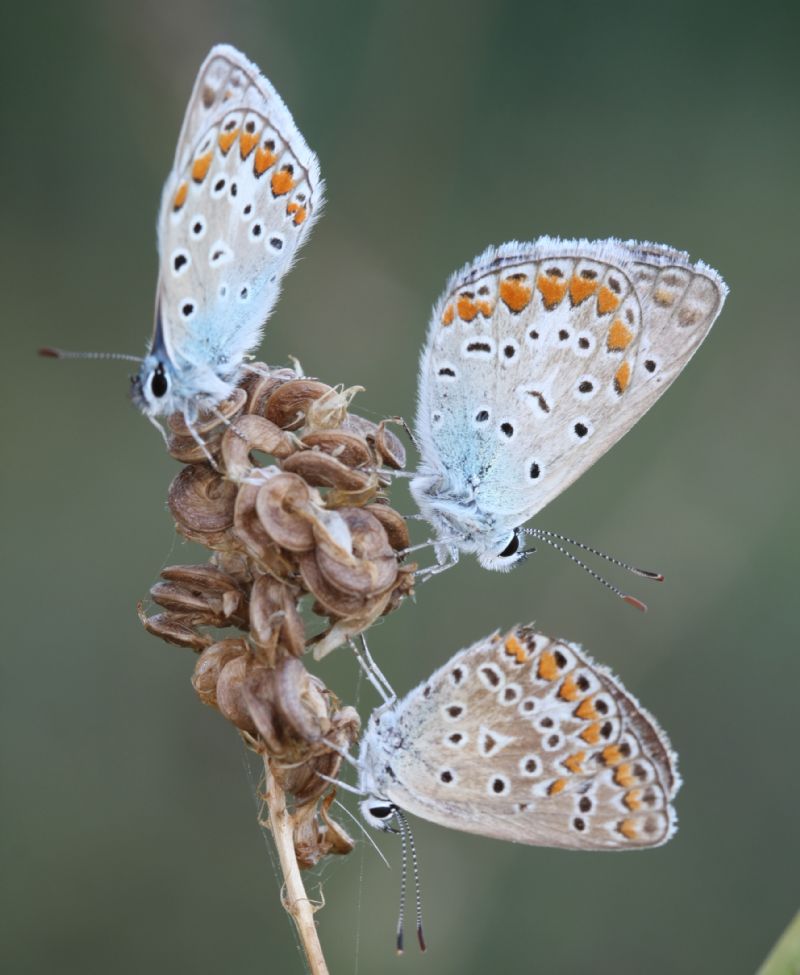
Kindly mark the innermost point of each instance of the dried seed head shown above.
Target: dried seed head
(311, 529)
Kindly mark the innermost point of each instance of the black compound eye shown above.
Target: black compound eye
(381, 812)
(159, 383)
(511, 548)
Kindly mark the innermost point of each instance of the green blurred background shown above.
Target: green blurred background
(129, 839)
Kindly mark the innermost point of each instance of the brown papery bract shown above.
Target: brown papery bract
(306, 553)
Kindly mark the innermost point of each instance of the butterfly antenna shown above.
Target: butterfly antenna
(417, 890)
(543, 536)
(404, 854)
(50, 353)
(540, 533)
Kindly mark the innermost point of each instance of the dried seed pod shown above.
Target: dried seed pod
(230, 694)
(209, 427)
(201, 608)
(345, 629)
(288, 405)
(251, 533)
(260, 382)
(251, 433)
(314, 840)
(394, 525)
(274, 617)
(209, 667)
(285, 511)
(328, 412)
(322, 470)
(290, 709)
(335, 602)
(370, 567)
(206, 578)
(201, 502)
(304, 780)
(389, 447)
(349, 449)
(174, 629)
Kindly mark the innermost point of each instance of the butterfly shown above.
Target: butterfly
(243, 193)
(539, 357)
(522, 738)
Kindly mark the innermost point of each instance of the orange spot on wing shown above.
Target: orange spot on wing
(484, 308)
(180, 196)
(200, 167)
(581, 288)
(606, 300)
(515, 649)
(622, 377)
(624, 775)
(247, 143)
(633, 799)
(586, 709)
(556, 786)
(568, 690)
(552, 288)
(515, 294)
(264, 159)
(467, 309)
(449, 315)
(574, 762)
(591, 735)
(619, 337)
(299, 212)
(611, 755)
(282, 182)
(628, 829)
(548, 669)
(227, 139)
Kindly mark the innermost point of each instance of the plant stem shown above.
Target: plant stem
(295, 899)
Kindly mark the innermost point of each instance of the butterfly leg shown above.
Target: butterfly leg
(201, 443)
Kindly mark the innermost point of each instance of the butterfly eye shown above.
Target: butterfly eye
(159, 383)
(381, 812)
(511, 548)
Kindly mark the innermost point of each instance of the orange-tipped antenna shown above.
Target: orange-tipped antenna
(50, 353)
(543, 535)
(407, 842)
(549, 538)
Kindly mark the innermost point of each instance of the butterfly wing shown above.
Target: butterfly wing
(524, 738)
(242, 195)
(541, 356)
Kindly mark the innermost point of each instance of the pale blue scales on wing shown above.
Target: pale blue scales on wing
(539, 357)
(242, 195)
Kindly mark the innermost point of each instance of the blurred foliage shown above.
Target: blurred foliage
(130, 840)
(784, 959)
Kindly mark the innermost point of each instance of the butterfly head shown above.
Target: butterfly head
(378, 813)
(503, 552)
(152, 387)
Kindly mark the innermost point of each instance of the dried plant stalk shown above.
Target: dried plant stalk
(295, 899)
(309, 530)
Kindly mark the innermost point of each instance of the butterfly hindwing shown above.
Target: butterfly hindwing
(244, 191)
(541, 356)
(525, 738)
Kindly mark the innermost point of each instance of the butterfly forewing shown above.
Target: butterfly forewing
(541, 356)
(243, 193)
(524, 738)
